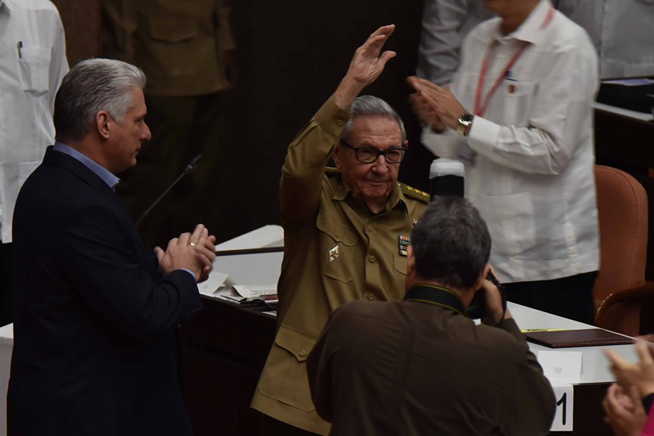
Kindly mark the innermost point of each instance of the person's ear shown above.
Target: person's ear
(102, 120)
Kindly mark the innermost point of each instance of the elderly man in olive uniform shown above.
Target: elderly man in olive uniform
(346, 230)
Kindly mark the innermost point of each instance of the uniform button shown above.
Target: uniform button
(372, 259)
(370, 297)
(303, 353)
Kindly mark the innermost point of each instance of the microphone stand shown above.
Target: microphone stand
(190, 167)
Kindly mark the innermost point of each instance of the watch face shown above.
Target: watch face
(467, 117)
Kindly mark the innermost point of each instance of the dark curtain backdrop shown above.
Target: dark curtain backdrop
(292, 55)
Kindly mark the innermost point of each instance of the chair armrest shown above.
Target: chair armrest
(641, 296)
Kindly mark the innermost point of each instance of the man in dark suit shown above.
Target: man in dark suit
(95, 349)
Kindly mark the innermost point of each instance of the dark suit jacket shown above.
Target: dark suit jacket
(410, 368)
(94, 345)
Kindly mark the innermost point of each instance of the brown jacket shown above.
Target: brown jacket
(179, 44)
(411, 368)
(335, 252)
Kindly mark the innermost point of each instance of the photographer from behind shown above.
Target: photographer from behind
(422, 366)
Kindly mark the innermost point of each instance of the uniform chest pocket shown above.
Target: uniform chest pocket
(401, 264)
(340, 247)
(34, 65)
(518, 97)
(286, 376)
(171, 28)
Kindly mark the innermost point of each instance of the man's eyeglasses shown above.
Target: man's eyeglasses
(367, 154)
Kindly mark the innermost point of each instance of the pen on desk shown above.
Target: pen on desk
(19, 46)
(542, 330)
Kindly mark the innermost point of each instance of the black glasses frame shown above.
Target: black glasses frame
(375, 153)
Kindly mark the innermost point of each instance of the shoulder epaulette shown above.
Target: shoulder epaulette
(416, 194)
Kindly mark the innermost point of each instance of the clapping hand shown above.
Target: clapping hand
(622, 403)
(440, 101)
(192, 251)
(624, 411)
(639, 374)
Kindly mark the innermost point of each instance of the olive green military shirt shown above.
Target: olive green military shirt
(179, 45)
(336, 251)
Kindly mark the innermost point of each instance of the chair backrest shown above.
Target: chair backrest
(623, 221)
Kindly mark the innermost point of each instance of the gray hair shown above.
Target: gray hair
(91, 86)
(451, 243)
(369, 105)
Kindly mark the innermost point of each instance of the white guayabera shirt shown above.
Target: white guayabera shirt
(32, 65)
(529, 158)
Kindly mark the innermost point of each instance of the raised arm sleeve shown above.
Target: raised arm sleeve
(305, 163)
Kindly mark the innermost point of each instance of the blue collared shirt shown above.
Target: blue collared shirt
(107, 176)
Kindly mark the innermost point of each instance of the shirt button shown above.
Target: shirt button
(370, 297)
(372, 259)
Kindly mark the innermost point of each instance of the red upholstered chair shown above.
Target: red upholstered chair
(621, 291)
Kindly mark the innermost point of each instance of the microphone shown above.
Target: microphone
(190, 167)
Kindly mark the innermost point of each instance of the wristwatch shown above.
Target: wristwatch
(464, 123)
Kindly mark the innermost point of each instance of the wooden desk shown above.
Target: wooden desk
(225, 346)
(223, 350)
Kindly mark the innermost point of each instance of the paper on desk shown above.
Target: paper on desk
(561, 367)
(253, 292)
(211, 285)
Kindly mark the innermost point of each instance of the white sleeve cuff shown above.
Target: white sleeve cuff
(484, 134)
(446, 144)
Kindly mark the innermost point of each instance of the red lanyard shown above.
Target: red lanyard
(481, 103)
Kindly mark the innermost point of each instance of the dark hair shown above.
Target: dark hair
(451, 243)
(89, 87)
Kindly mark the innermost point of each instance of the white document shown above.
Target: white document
(252, 292)
(561, 367)
(210, 286)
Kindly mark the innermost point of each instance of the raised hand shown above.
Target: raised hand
(365, 67)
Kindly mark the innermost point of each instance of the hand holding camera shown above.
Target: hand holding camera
(489, 303)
